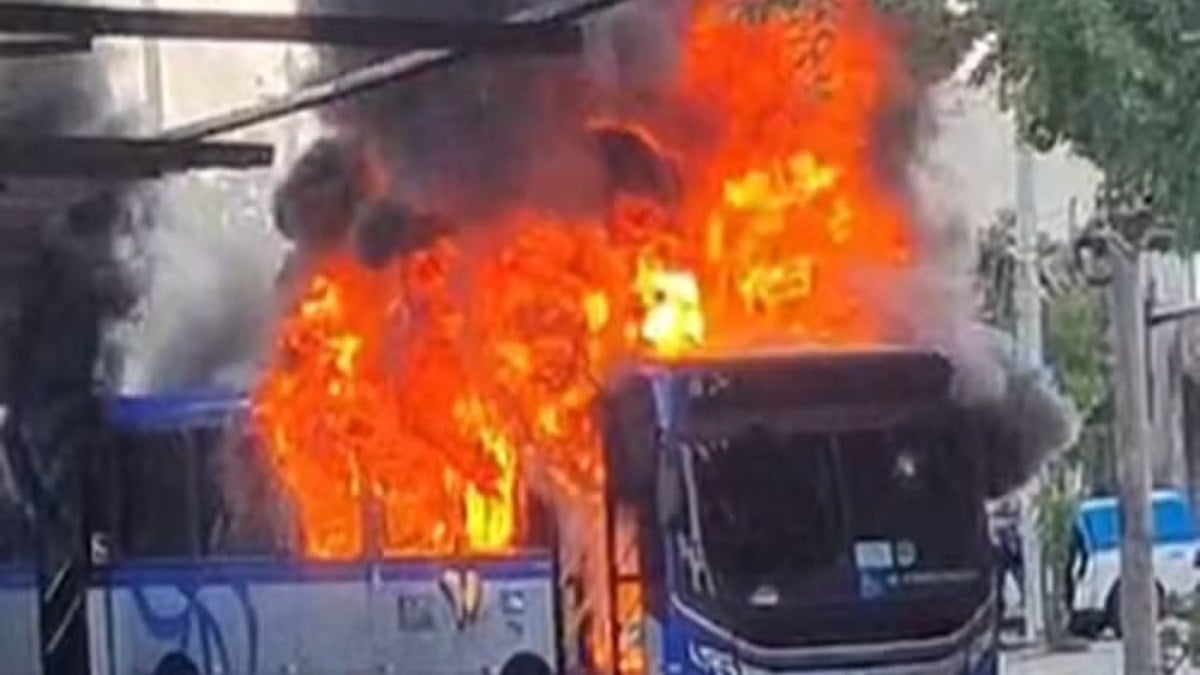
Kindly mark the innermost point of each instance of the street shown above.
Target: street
(1103, 658)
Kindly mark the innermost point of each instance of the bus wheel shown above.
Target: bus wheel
(1087, 625)
(1112, 607)
(526, 663)
(176, 663)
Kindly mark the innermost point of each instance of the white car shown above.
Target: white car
(1095, 568)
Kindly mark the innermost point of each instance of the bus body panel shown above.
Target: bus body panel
(19, 620)
(278, 617)
(693, 646)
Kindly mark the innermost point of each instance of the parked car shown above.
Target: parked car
(1093, 574)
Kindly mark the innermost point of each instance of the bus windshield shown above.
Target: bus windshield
(827, 522)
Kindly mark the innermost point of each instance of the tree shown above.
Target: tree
(1115, 81)
(1075, 346)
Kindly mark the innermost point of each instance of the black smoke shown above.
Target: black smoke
(469, 141)
(61, 284)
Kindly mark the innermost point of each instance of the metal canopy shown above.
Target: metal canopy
(78, 22)
(52, 45)
(374, 76)
(545, 28)
(111, 159)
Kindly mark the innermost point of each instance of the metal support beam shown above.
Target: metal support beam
(122, 159)
(44, 46)
(1170, 314)
(373, 76)
(358, 31)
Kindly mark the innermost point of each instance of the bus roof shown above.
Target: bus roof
(809, 354)
(175, 410)
(763, 381)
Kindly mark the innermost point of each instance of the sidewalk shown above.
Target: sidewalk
(1103, 658)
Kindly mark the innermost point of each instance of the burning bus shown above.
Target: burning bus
(812, 512)
(497, 433)
(178, 588)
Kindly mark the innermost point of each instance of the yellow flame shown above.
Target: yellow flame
(346, 348)
(490, 512)
(764, 288)
(674, 320)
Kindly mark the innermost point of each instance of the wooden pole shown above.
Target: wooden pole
(1135, 604)
(1028, 307)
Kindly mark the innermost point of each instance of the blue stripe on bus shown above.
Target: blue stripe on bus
(17, 575)
(176, 409)
(211, 570)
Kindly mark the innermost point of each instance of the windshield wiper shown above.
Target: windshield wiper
(693, 541)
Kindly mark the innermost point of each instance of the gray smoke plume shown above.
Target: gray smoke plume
(60, 284)
(207, 280)
(59, 280)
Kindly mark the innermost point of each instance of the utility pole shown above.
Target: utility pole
(1137, 600)
(1028, 308)
(1124, 231)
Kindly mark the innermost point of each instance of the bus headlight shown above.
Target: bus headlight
(713, 661)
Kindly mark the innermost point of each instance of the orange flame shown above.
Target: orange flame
(431, 387)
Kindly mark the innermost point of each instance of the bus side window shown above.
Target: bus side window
(252, 515)
(160, 495)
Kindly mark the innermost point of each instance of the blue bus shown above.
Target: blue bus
(812, 513)
(777, 513)
(183, 582)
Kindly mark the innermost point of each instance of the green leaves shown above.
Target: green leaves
(1074, 331)
(1113, 80)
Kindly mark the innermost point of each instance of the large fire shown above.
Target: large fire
(410, 404)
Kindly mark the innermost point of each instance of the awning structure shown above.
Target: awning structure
(84, 24)
(43, 176)
(121, 159)
(30, 30)
(49, 311)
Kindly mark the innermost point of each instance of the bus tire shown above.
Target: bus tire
(176, 663)
(1112, 606)
(1087, 625)
(526, 663)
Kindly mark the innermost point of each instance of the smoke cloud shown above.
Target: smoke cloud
(480, 137)
(207, 282)
(464, 143)
(60, 284)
